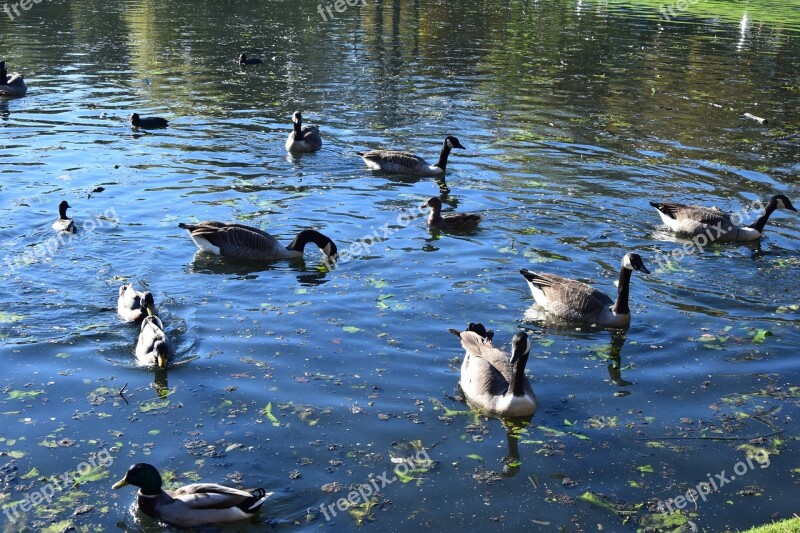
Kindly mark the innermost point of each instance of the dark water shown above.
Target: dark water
(293, 377)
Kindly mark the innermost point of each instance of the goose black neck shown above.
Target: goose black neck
(298, 130)
(762, 220)
(519, 375)
(3, 72)
(442, 163)
(62, 212)
(621, 305)
(305, 237)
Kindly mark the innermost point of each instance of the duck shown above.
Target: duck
(451, 221)
(64, 223)
(406, 163)
(190, 505)
(715, 225)
(244, 242)
(148, 123)
(12, 84)
(303, 138)
(243, 60)
(491, 380)
(578, 302)
(132, 305)
(152, 349)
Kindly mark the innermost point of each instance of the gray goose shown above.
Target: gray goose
(12, 84)
(407, 163)
(303, 138)
(148, 123)
(245, 242)
(450, 221)
(64, 223)
(578, 302)
(717, 226)
(491, 380)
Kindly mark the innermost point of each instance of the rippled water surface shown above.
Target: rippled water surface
(306, 380)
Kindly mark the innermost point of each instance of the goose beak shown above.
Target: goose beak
(119, 484)
(457, 144)
(643, 268)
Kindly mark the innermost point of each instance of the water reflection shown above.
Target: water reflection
(205, 263)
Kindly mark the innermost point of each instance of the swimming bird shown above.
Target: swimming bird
(132, 305)
(576, 301)
(191, 505)
(450, 221)
(245, 242)
(303, 138)
(11, 84)
(406, 163)
(243, 60)
(715, 225)
(148, 123)
(64, 223)
(152, 348)
(491, 380)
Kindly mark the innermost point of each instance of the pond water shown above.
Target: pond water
(306, 380)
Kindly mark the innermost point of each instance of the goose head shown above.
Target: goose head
(297, 117)
(782, 202)
(633, 261)
(325, 244)
(134, 119)
(62, 209)
(144, 476)
(160, 347)
(520, 349)
(451, 142)
(242, 58)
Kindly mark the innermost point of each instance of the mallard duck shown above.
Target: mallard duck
(243, 60)
(152, 348)
(244, 242)
(64, 223)
(132, 305)
(407, 163)
(451, 221)
(715, 225)
(11, 84)
(148, 123)
(303, 138)
(191, 505)
(491, 380)
(576, 301)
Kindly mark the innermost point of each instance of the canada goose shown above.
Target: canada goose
(715, 225)
(244, 242)
(132, 305)
(451, 221)
(191, 505)
(64, 223)
(11, 84)
(303, 138)
(491, 380)
(152, 348)
(573, 300)
(148, 123)
(407, 163)
(244, 61)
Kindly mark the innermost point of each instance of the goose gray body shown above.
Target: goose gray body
(11, 84)
(63, 223)
(492, 380)
(715, 225)
(132, 305)
(450, 221)
(303, 138)
(396, 162)
(191, 505)
(152, 347)
(578, 302)
(245, 242)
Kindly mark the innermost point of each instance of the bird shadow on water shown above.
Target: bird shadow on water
(546, 325)
(204, 263)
